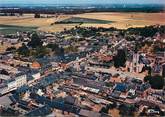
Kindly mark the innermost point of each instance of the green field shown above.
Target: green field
(10, 29)
(74, 20)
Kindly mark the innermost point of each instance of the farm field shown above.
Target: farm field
(82, 21)
(126, 20)
(28, 21)
(102, 19)
(9, 29)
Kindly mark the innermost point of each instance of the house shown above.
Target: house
(121, 87)
(43, 111)
(5, 101)
(8, 68)
(13, 41)
(56, 103)
(116, 80)
(131, 93)
(89, 83)
(87, 113)
(71, 100)
(115, 94)
(36, 75)
(35, 65)
(143, 89)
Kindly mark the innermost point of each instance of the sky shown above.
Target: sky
(82, 2)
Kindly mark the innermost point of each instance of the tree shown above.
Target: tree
(158, 47)
(71, 49)
(53, 46)
(143, 113)
(156, 82)
(56, 49)
(41, 51)
(148, 68)
(4, 72)
(120, 58)
(23, 50)
(108, 106)
(61, 53)
(37, 15)
(2, 42)
(148, 31)
(11, 49)
(35, 41)
(112, 106)
(126, 110)
(147, 78)
(104, 110)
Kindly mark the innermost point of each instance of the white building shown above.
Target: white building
(36, 76)
(135, 62)
(11, 86)
(135, 66)
(13, 83)
(21, 80)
